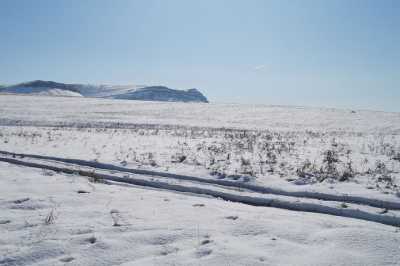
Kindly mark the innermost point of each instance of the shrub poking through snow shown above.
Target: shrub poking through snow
(332, 168)
(306, 170)
(236, 154)
(348, 172)
(50, 218)
(329, 168)
(397, 157)
(115, 216)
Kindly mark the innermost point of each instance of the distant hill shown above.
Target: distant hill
(161, 93)
(40, 87)
(127, 92)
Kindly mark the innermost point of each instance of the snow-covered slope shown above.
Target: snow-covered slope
(128, 92)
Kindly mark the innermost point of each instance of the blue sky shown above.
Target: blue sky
(343, 53)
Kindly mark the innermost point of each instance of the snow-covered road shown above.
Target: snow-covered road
(344, 205)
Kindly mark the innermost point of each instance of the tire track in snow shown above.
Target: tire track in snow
(390, 205)
(244, 199)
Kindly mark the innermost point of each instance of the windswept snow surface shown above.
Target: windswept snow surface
(126, 225)
(294, 156)
(262, 117)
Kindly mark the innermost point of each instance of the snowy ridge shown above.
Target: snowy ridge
(127, 92)
(228, 193)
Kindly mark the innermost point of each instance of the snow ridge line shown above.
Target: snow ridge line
(390, 205)
(248, 200)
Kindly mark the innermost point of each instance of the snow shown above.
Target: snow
(164, 228)
(262, 117)
(177, 155)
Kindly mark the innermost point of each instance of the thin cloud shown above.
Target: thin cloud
(259, 67)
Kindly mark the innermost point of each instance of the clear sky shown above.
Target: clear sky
(343, 53)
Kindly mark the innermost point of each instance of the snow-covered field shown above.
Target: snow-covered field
(163, 177)
(163, 228)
